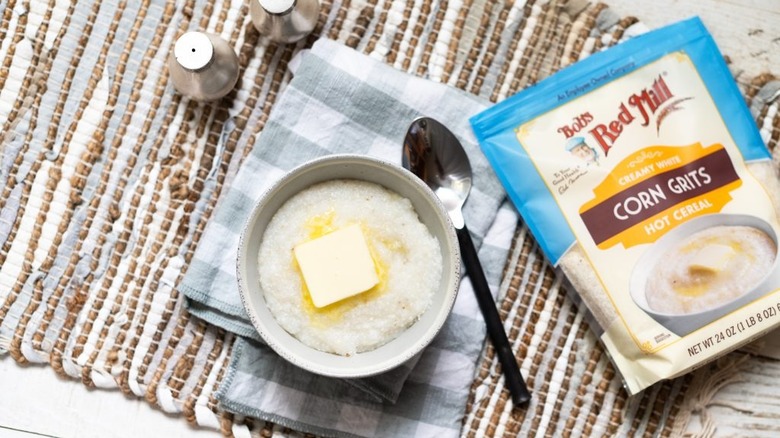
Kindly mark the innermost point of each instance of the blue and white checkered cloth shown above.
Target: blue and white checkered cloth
(340, 101)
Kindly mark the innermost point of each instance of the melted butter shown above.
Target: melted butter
(322, 224)
(702, 281)
(697, 287)
(696, 245)
(391, 244)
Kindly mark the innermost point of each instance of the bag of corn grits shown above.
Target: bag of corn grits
(642, 175)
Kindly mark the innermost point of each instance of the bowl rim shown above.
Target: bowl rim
(450, 274)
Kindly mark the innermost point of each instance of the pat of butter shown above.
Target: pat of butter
(336, 266)
(712, 259)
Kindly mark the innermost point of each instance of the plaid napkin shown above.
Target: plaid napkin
(340, 101)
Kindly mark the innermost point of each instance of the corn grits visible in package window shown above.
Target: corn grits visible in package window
(641, 173)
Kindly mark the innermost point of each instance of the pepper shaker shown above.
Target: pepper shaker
(284, 21)
(203, 66)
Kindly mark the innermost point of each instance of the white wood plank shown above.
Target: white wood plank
(35, 400)
(15, 433)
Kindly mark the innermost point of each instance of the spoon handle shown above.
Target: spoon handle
(495, 328)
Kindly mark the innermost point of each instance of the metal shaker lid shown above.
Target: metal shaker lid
(277, 6)
(193, 50)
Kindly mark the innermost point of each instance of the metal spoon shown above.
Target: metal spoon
(434, 154)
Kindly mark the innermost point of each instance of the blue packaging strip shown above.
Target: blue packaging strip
(495, 127)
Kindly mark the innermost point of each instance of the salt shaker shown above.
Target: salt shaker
(203, 66)
(284, 21)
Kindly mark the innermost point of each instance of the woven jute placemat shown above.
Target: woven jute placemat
(108, 178)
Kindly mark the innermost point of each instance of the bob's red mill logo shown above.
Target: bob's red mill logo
(639, 106)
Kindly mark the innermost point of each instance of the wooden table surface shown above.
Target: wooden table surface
(746, 31)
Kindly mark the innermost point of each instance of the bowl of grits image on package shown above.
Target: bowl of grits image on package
(705, 269)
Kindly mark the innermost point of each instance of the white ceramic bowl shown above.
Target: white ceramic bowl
(683, 324)
(430, 211)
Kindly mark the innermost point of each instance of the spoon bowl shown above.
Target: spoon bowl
(429, 154)
(436, 156)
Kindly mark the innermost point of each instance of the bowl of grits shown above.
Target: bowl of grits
(705, 269)
(348, 266)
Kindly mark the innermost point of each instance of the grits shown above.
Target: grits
(676, 287)
(407, 257)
